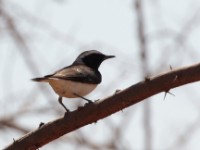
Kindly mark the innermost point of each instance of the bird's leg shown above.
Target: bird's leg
(60, 101)
(89, 101)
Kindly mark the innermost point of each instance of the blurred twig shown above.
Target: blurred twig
(13, 125)
(144, 70)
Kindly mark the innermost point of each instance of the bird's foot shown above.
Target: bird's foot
(89, 103)
(66, 114)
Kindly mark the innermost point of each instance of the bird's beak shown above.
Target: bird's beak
(108, 56)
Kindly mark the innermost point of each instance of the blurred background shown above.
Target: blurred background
(148, 37)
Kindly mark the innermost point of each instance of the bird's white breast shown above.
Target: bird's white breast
(67, 88)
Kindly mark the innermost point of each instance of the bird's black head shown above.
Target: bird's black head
(92, 58)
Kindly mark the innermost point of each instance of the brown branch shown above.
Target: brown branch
(103, 108)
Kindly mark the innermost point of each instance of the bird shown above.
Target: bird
(78, 79)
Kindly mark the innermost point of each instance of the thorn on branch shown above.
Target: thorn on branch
(97, 100)
(147, 79)
(168, 92)
(117, 91)
(41, 124)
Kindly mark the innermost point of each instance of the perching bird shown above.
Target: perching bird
(78, 79)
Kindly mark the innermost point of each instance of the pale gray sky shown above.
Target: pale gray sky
(57, 31)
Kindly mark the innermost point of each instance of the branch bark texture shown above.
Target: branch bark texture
(100, 109)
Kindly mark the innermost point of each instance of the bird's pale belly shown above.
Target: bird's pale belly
(66, 88)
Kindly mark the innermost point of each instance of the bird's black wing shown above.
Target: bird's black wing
(79, 73)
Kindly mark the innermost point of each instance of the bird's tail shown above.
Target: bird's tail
(41, 79)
